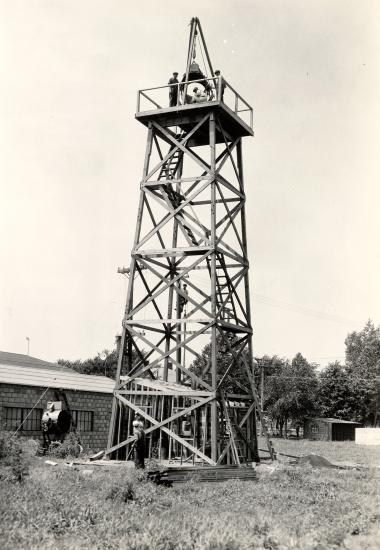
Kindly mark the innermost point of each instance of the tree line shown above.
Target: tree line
(350, 391)
(297, 388)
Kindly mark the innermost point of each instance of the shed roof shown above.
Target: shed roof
(54, 378)
(333, 420)
(8, 358)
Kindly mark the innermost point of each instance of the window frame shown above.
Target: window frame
(81, 421)
(19, 416)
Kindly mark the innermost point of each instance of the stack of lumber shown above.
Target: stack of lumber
(204, 474)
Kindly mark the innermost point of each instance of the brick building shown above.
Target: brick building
(28, 383)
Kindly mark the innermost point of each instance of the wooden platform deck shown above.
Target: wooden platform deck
(187, 116)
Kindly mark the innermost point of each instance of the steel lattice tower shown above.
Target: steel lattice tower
(188, 280)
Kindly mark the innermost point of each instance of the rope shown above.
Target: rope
(30, 412)
(204, 64)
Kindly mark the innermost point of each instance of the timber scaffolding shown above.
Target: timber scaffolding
(188, 282)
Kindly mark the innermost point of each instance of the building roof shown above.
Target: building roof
(8, 358)
(333, 420)
(44, 377)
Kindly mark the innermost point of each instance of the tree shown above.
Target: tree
(103, 364)
(290, 391)
(335, 398)
(363, 366)
(236, 375)
(363, 351)
(349, 392)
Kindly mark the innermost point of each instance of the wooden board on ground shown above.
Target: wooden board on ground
(205, 474)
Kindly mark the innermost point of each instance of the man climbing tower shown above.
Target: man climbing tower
(182, 300)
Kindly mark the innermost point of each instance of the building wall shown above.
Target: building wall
(317, 430)
(12, 395)
(343, 432)
(367, 436)
(320, 430)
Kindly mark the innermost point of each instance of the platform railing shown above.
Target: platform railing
(175, 96)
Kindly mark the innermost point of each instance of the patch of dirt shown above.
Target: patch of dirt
(316, 461)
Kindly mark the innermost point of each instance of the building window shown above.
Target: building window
(26, 420)
(83, 420)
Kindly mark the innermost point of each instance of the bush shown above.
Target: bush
(14, 461)
(69, 448)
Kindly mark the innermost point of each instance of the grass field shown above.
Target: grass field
(289, 507)
(339, 451)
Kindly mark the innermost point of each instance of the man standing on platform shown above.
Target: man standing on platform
(222, 85)
(173, 90)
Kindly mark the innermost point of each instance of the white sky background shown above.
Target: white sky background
(72, 155)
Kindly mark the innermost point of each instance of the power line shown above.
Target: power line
(288, 306)
(309, 377)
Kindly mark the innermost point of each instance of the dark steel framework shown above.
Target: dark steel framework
(188, 287)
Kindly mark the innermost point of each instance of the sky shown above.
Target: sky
(71, 159)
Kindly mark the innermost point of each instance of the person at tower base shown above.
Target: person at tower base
(173, 90)
(222, 84)
(139, 444)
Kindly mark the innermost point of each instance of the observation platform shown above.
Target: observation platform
(234, 113)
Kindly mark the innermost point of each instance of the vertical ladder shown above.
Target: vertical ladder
(168, 172)
(236, 447)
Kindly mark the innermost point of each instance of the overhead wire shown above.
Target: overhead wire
(288, 306)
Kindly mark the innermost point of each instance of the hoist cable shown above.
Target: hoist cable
(30, 412)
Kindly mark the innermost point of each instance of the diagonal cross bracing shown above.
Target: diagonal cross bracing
(197, 224)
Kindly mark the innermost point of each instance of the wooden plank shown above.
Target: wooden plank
(133, 322)
(137, 373)
(170, 433)
(171, 214)
(232, 362)
(177, 144)
(154, 393)
(185, 115)
(150, 211)
(214, 351)
(178, 252)
(254, 393)
(218, 201)
(156, 183)
(231, 219)
(241, 424)
(167, 284)
(185, 150)
(149, 99)
(230, 430)
(180, 292)
(129, 301)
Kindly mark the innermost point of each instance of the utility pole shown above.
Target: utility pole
(262, 395)
(28, 340)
